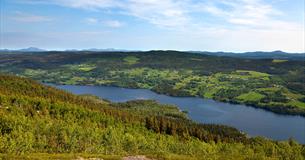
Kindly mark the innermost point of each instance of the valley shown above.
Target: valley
(38, 120)
(274, 85)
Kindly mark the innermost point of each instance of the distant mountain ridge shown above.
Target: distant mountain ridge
(35, 49)
(251, 55)
(30, 49)
(257, 55)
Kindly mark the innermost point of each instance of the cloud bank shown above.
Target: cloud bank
(238, 25)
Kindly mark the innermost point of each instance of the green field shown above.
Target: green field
(275, 85)
(251, 96)
(279, 60)
(131, 60)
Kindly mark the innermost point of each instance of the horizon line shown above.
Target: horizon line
(136, 50)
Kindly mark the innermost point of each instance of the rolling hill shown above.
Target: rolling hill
(273, 84)
(39, 122)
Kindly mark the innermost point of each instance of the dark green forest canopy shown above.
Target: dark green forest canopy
(155, 59)
(35, 118)
(272, 84)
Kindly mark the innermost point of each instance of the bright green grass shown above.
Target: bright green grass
(271, 89)
(251, 96)
(279, 60)
(86, 69)
(186, 80)
(210, 92)
(150, 73)
(297, 103)
(292, 95)
(80, 67)
(134, 72)
(195, 59)
(103, 82)
(253, 73)
(32, 72)
(131, 60)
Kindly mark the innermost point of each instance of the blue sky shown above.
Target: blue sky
(209, 25)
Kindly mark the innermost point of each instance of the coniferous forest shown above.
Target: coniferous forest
(39, 122)
(152, 80)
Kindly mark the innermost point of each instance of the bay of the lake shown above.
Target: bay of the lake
(253, 121)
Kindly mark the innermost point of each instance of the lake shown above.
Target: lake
(253, 121)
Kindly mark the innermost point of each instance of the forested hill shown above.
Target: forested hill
(41, 122)
(272, 84)
(259, 55)
(250, 55)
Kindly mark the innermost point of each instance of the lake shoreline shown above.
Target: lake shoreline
(250, 120)
(276, 110)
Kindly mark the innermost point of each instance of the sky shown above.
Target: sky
(198, 25)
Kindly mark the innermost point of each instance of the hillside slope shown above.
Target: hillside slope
(272, 84)
(41, 120)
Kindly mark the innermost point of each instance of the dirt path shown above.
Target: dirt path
(124, 158)
(136, 158)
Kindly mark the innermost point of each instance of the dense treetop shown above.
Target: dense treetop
(35, 118)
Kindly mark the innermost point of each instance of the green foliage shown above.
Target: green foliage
(279, 60)
(41, 122)
(251, 96)
(131, 60)
(148, 108)
(250, 81)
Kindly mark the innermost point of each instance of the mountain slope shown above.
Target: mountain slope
(40, 119)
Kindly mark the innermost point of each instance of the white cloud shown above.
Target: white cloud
(88, 4)
(177, 14)
(25, 17)
(239, 24)
(83, 4)
(165, 13)
(107, 23)
(249, 13)
(92, 20)
(113, 23)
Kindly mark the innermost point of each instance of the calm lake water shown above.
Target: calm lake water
(253, 121)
